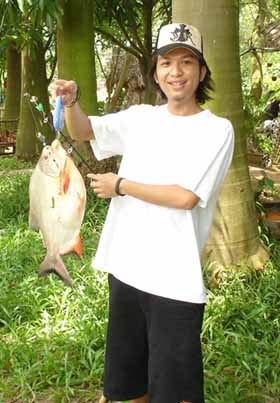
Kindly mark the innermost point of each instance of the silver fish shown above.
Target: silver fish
(57, 197)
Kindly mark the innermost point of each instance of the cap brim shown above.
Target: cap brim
(166, 49)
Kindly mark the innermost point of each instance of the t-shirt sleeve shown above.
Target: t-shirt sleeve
(110, 133)
(213, 169)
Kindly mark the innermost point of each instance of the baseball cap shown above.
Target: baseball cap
(180, 35)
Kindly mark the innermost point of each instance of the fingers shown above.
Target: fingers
(94, 177)
(94, 184)
(66, 89)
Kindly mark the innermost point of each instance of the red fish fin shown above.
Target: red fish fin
(75, 247)
(54, 264)
(78, 248)
(65, 181)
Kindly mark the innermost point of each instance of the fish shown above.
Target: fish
(57, 200)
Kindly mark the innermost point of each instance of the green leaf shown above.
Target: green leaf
(21, 5)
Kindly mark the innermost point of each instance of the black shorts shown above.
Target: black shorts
(153, 346)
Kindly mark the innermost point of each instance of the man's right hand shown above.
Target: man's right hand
(66, 89)
(77, 122)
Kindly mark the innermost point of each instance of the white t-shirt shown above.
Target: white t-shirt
(153, 248)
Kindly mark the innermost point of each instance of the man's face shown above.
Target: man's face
(178, 74)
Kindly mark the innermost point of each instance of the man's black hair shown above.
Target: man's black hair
(203, 90)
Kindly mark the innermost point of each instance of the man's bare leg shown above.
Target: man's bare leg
(142, 399)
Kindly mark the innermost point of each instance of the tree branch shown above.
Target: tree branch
(114, 40)
(100, 63)
(133, 25)
(254, 50)
(133, 43)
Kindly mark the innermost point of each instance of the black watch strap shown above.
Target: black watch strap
(117, 187)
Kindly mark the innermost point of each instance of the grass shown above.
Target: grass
(52, 337)
(8, 163)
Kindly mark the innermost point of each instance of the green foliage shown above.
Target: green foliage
(264, 144)
(25, 22)
(241, 335)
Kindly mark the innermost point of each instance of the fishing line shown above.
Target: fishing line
(40, 136)
(56, 125)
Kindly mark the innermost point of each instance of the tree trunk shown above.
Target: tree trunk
(34, 82)
(75, 50)
(113, 101)
(12, 101)
(234, 235)
(76, 61)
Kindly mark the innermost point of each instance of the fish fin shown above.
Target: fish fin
(76, 247)
(54, 264)
(66, 181)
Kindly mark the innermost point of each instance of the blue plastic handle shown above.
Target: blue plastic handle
(58, 114)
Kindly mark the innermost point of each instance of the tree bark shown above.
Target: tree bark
(34, 82)
(12, 101)
(234, 235)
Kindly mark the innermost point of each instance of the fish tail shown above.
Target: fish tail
(54, 264)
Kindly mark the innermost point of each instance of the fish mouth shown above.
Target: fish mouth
(51, 163)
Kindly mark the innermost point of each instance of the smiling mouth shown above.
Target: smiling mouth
(177, 84)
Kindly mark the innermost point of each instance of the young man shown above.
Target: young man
(174, 160)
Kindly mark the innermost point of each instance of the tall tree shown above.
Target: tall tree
(234, 235)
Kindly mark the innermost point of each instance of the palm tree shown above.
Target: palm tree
(234, 234)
